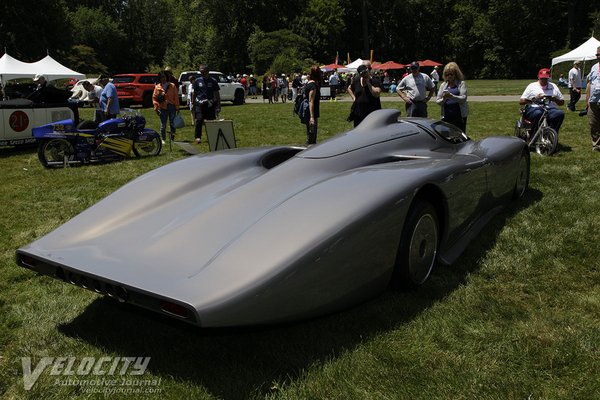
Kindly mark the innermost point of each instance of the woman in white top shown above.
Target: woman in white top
(452, 96)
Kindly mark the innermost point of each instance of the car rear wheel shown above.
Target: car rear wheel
(522, 181)
(238, 97)
(56, 153)
(418, 247)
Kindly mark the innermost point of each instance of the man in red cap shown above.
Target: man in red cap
(533, 95)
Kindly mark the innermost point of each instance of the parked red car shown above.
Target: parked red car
(135, 88)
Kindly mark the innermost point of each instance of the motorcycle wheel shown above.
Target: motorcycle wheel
(56, 153)
(547, 142)
(146, 148)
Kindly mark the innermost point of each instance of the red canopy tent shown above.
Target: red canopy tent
(331, 67)
(390, 65)
(429, 63)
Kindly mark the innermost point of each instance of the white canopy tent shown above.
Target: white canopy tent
(352, 66)
(11, 68)
(585, 52)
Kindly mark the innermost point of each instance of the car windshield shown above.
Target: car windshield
(220, 78)
(449, 132)
(123, 79)
(186, 76)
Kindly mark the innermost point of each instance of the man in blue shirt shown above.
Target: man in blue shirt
(109, 100)
(592, 97)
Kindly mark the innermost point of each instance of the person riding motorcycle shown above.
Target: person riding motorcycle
(535, 93)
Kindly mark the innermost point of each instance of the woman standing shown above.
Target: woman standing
(312, 90)
(166, 103)
(452, 96)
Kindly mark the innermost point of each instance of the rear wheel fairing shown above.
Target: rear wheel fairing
(330, 253)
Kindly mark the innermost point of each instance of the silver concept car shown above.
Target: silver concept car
(265, 235)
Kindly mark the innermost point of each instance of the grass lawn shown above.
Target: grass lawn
(516, 317)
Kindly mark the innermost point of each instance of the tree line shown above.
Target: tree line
(488, 38)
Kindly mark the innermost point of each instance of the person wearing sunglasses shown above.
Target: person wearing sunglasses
(592, 99)
(452, 97)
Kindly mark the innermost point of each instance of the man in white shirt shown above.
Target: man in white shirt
(535, 92)
(94, 92)
(416, 89)
(575, 85)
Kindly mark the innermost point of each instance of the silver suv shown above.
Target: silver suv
(228, 90)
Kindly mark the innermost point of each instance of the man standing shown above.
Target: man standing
(252, 85)
(592, 98)
(416, 89)
(575, 84)
(109, 100)
(207, 101)
(435, 77)
(334, 81)
(296, 84)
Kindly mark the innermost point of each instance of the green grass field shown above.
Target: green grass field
(516, 317)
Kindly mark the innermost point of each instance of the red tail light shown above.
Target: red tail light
(174, 309)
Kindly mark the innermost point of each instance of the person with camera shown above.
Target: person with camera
(416, 89)
(364, 91)
(166, 104)
(207, 101)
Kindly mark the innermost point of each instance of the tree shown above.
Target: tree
(322, 24)
(30, 36)
(84, 59)
(265, 47)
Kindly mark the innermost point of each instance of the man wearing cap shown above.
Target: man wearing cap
(416, 89)
(207, 101)
(535, 92)
(592, 98)
(575, 85)
(40, 81)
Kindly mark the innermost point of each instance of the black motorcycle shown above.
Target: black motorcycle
(62, 144)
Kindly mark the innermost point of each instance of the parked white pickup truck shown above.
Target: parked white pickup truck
(228, 90)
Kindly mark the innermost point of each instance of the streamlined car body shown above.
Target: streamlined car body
(265, 235)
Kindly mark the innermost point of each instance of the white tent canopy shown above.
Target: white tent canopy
(352, 66)
(585, 52)
(11, 68)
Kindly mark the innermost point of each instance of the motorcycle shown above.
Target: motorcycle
(63, 144)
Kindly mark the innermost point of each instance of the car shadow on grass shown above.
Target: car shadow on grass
(246, 362)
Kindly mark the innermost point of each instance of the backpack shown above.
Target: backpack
(301, 108)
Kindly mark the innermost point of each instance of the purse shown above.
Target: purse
(178, 121)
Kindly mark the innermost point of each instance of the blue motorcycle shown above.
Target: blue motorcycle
(63, 144)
